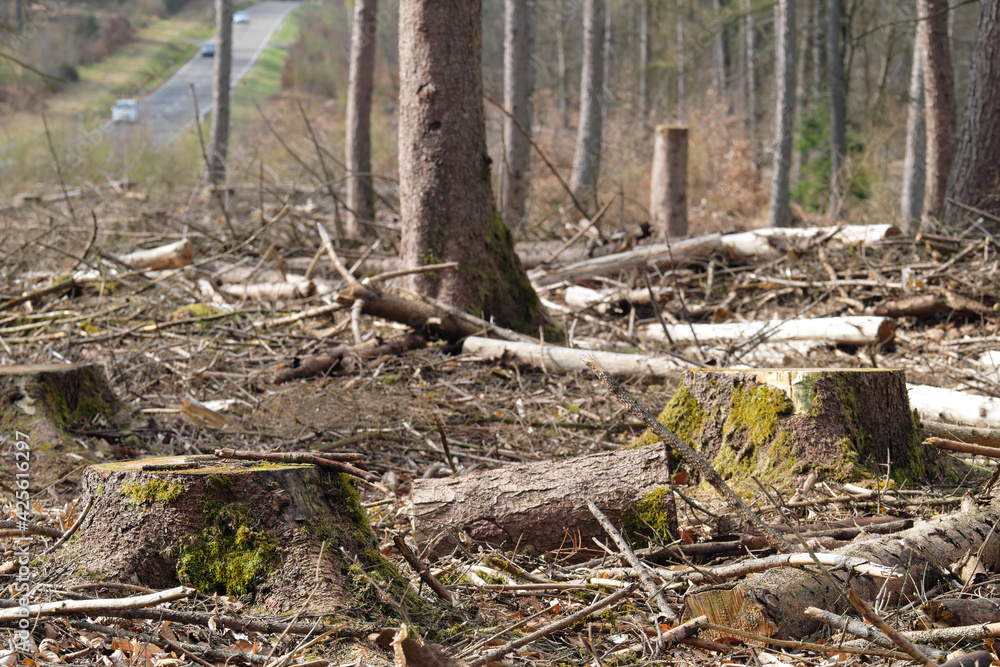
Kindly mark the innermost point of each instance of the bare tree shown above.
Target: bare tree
(939, 96)
(751, 65)
(357, 144)
(681, 83)
(517, 83)
(446, 199)
(587, 156)
(838, 131)
(915, 161)
(564, 16)
(785, 111)
(644, 61)
(976, 172)
(219, 139)
(718, 53)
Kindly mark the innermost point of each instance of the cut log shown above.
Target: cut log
(776, 423)
(987, 437)
(42, 404)
(540, 505)
(270, 291)
(659, 255)
(927, 305)
(778, 598)
(859, 330)
(955, 407)
(569, 360)
(233, 527)
(170, 256)
(775, 241)
(345, 358)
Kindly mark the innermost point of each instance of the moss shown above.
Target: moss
(229, 555)
(195, 311)
(153, 490)
(389, 380)
(753, 422)
(682, 415)
(86, 401)
(648, 518)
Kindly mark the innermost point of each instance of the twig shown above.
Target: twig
(93, 607)
(692, 458)
(338, 224)
(515, 644)
(902, 642)
(583, 230)
(59, 174)
(337, 264)
(208, 164)
(426, 268)
(90, 244)
(188, 649)
(864, 631)
(418, 566)
(336, 462)
(648, 584)
(69, 533)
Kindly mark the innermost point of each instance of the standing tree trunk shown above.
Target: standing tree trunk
(357, 144)
(718, 53)
(818, 51)
(751, 63)
(939, 96)
(606, 74)
(561, 58)
(643, 61)
(668, 182)
(219, 141)
(975, 177)
(914, 164)
(446, 199)
(785, 111)
(587, 156)
(680, 60)
(838, 133)
(517, 83)
(20, 17)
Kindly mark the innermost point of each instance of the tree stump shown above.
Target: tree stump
(668, 182)
(41, 403)
(845, 424)
(275, 533)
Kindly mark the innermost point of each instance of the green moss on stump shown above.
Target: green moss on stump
(683, 416)
(648, 518)
(152, 491)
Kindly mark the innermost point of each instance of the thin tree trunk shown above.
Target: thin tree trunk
(561, 58)
(838, 132)
(357, 145)
(606, 75)
(818, 52)
(915, 162)
(939, 96)
(785, 111)
(718, 53)
(20, 17)
(644, 61)
(219, 140)
(976, 171)
(680, 60)
(751, 62)
(517, 84)
(587, 156)
(446, 199)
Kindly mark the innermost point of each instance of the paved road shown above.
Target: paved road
(168, 110)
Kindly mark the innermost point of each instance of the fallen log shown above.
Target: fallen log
(927, 305)
(569, 360)
(777, 599)
(540, 505)
(170, 256)
(659, 255)
(346, 358)
(270, 291)
(987, 437)
(775, 241)
(953, 406)
(861, 330)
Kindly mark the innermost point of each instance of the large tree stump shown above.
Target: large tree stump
(240, 528)
(773, 424)
(543, 506)
(44, 402)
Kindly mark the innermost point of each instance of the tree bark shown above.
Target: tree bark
(357, 143)
(779, 597)
(915, 161)
(219, 139)
(587, 155)
(668, 182)
(838, 132)
(681, 64)
(785, 112)
(976, 172)
(751, 67)
(718, 53)
(446, 199)
(561, 64)
(644, 61)
(939, 95)
(536, 505)
(861, 330)
(518, 78)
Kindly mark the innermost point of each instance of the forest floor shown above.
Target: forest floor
(168, 336)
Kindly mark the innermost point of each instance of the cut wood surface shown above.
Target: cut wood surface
(780, 596)
(956, 407)
(848, 330)
(569, 360)
(537, 505)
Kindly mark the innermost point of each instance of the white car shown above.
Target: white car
(125, 111)
(241, 17)
(208, 49)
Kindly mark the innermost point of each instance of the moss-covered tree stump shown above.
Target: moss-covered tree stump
(242, 528)
(845, 424)
(45, 402)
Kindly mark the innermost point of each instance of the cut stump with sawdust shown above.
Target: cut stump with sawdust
(774, 424)
(44, 404)
(273, 534)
